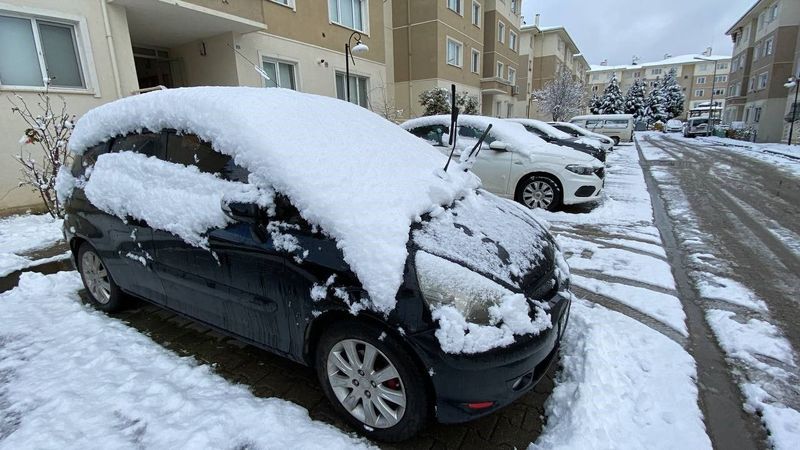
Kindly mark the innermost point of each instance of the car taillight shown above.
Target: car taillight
(480, 405)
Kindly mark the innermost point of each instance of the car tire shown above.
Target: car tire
(616, 141)
(103, 292)
(368, 391)
(542, 184)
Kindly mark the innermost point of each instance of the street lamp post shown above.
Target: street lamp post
(794, 82)
(357, 49)
(713, 87)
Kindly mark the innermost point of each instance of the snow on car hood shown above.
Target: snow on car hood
(520, 140)
(359, 177)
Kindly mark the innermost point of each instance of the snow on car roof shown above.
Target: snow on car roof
(547, 128)
(359, 177)
(510, 132)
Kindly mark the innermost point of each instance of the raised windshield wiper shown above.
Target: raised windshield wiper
(472, 156)
(453, 125)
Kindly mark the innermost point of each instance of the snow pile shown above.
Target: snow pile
(474, 313)
(73, 378)
(170, 197)
(623, 385)
(24, 234)
(358, 177)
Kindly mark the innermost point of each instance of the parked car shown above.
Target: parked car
(674, 126)
(570, 128)
(517, 165)
(697, 126)
(298, 237)
(618, 127)
(553, 135)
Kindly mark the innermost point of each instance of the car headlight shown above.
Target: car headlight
(580, 170)
(444, 283)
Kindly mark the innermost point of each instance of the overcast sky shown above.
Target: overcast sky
(618, 29)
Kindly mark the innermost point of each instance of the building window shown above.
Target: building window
(454, 52)
(501, 32)
(721, 79)
(512, 75)
(768, 46)
(358, 89)
(762, 80)
(637, 74)
(722, 66)
(348, 13)
(512, 40)
(476, 13)
(699, 92)
(475, 62)
(456, 6)
(500, 67)
(280, 73)
(701, 80)
(757, 114)
(514, 6)
(762, 19)
(752, 84)
(773, 12)
(719, 91)
(289, 3)
(42, 51)
(595, 76)
(655, 72)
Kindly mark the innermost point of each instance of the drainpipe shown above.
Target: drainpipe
(408, 36)
(111, 50)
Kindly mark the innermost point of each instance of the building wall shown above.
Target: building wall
(102, 86)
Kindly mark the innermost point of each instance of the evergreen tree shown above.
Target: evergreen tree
(594, 104)
(656, 105)
(612, 101)
(435, 101)
(673, 95)
(635, 100)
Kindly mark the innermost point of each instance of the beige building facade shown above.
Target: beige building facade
(766, 47)
(96, 51)
(695, 73)
(546, 50)
(473, 44)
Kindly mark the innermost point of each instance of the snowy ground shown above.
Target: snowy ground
(22, 235)
(627, 380)
(763, 360)
(781, 155)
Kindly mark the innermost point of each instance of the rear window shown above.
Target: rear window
(616, 123)
(188, 149)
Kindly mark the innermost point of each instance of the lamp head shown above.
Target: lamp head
(359, 48)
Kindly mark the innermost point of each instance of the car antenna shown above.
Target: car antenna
(478, 146)
(255, 66)
(453, 124)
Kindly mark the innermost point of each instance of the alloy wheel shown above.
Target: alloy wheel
(538, 194)
(96, 278)
(366, 383)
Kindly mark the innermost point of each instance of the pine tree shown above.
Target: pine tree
(561, 97)
(673, 94)
(594, 104)
(635, 100)
(435, 101)
(656, 105)
(612, 101)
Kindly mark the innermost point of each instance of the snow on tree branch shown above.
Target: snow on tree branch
(437, 101)
(561, 97)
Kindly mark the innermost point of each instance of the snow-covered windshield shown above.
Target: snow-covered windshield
(542, 126)
(360, 178)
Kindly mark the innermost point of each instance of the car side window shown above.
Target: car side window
(88, 158)
(593, 123)
(148, 144)
(286, 212)
(188, 149)
(537, 131)
(434, 134)
(475, 133)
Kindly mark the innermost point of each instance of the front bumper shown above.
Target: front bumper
(581, 188)
(499, 376)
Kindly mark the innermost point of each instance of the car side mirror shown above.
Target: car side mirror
(498, 146)
(241, 212)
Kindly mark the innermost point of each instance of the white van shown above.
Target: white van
(618, 127)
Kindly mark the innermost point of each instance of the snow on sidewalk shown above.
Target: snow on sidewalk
(73, 378)
(24, 234)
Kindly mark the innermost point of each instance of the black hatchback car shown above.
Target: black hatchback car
(387, 373)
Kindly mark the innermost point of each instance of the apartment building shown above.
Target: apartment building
(700, 76)
(545, 51)
(96, 51)
(765, 55)
(473, 44)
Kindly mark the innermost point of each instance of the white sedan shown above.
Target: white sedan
(570, 128)
(515, 164)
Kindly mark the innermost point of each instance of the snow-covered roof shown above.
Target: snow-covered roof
(509, 132)
(543, 126)
(359, 177)
(675, 60)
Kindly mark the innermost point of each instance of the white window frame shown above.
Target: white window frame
(460, 56)
(509, 72)
(763, 80)
(699, 92)
(721, 79)
(476, 18)
(656, 71)
(289, 4)
(701, 80)
(475, 63)
(513, 40)
(773, 12)
(82, 44)
(769, 46)
(501, 32)
(353, 95)
(499, 69)
(459, 5)
(364, 15)
(752, 85)
(719, 91)
(278, 62)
